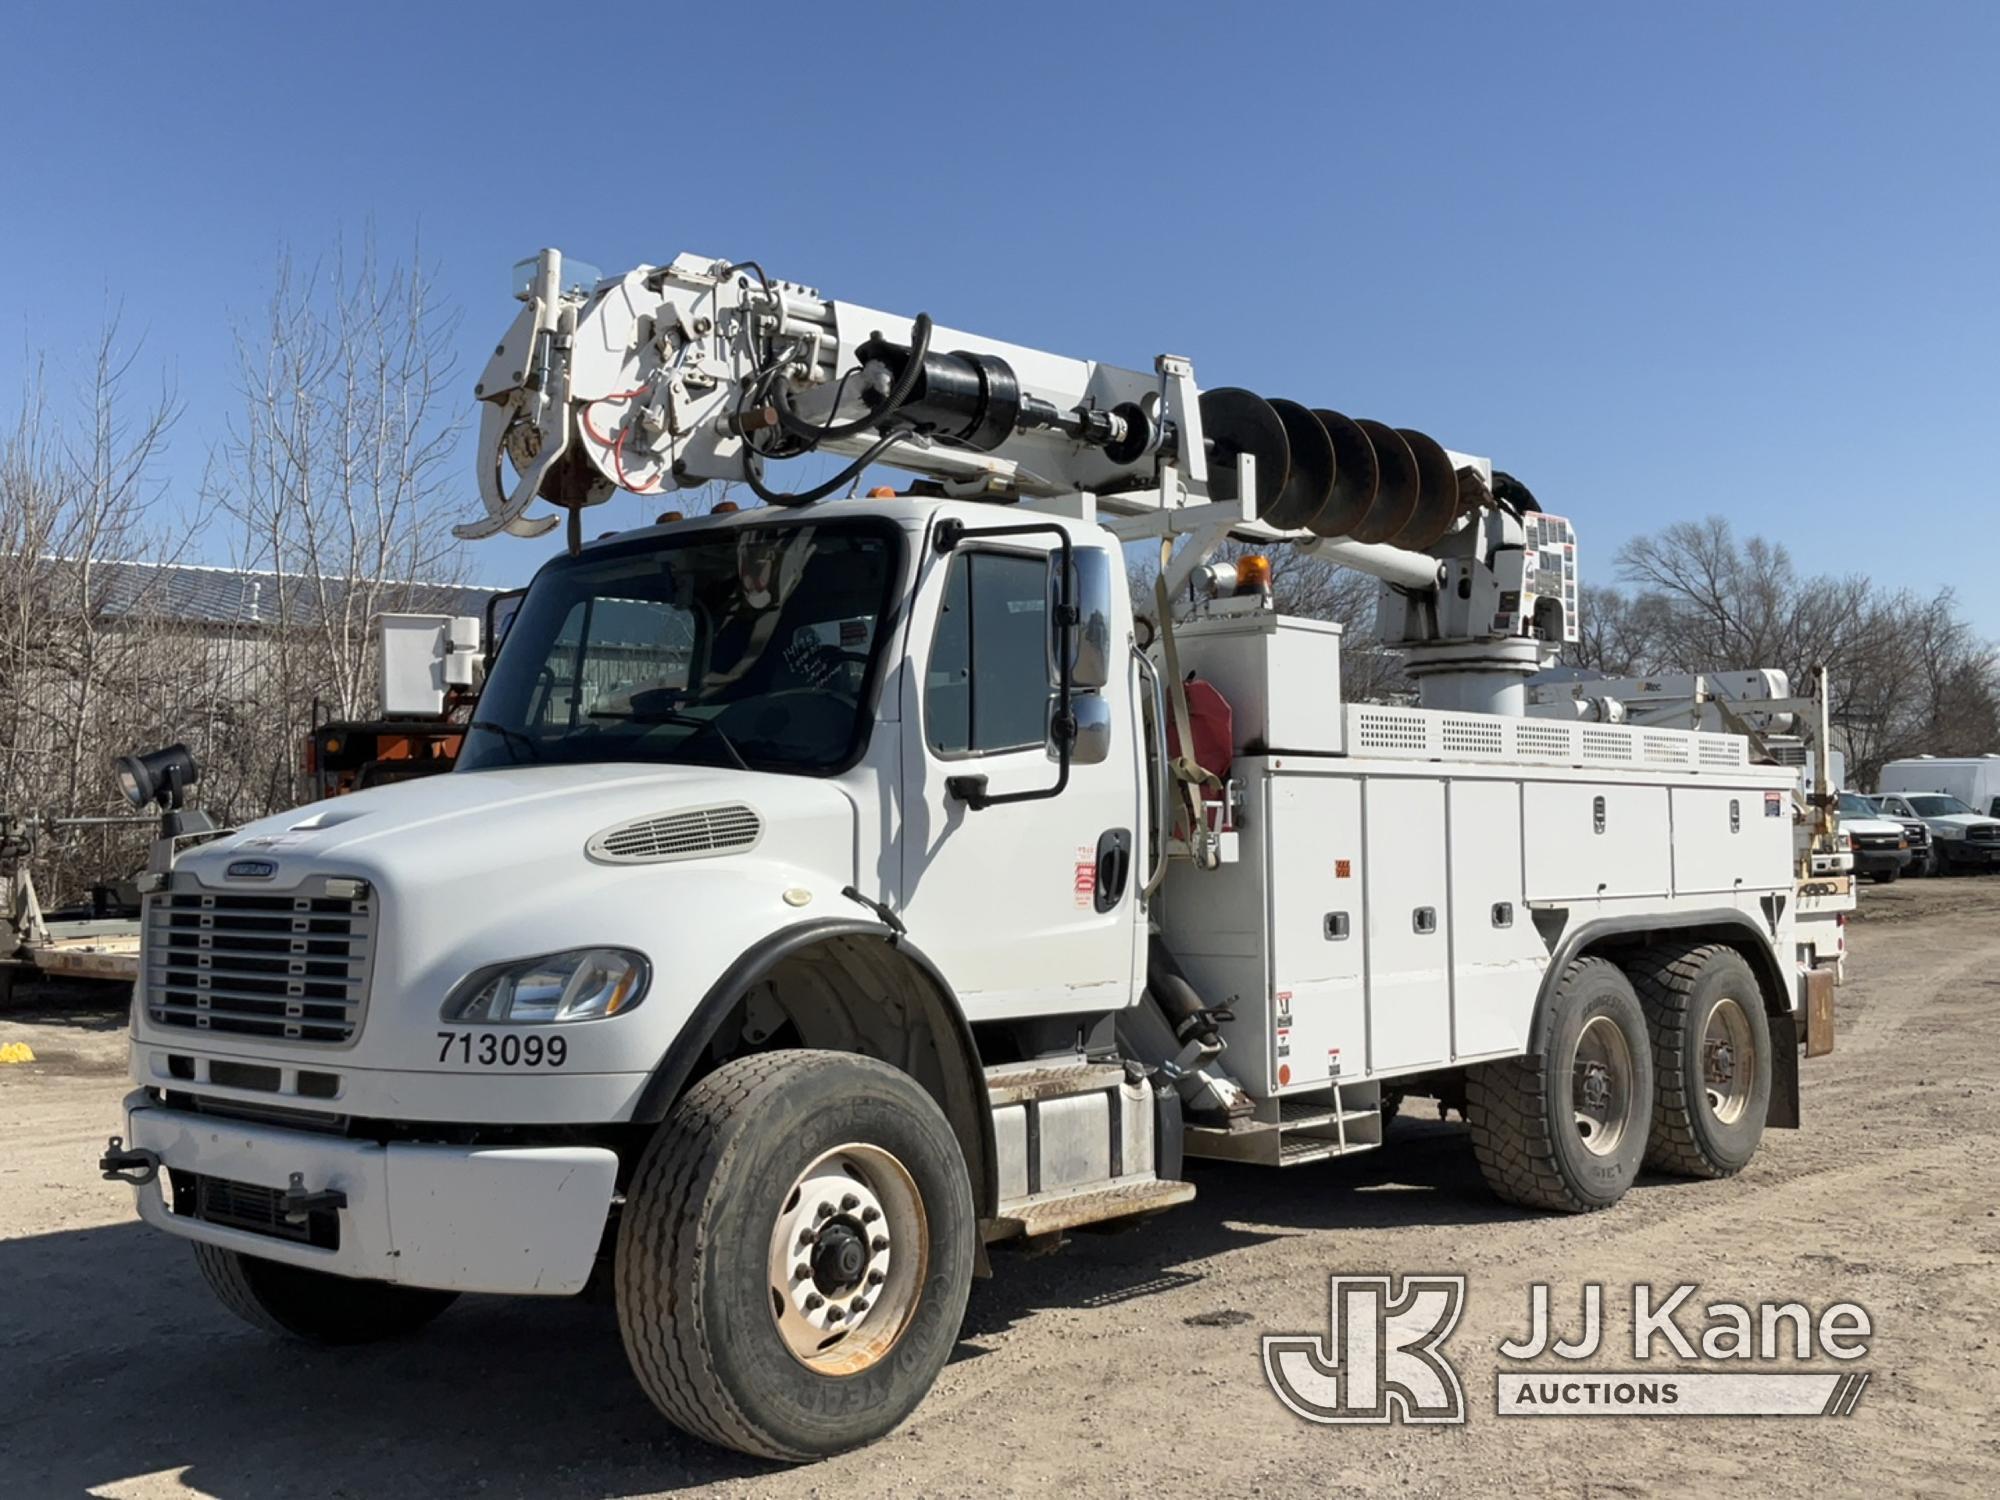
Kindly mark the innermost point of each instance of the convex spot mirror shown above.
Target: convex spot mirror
(1090, 642)
(1092, 718)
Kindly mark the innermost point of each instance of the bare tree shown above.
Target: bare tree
(1909, 675)
(79, 496)
(339, 474)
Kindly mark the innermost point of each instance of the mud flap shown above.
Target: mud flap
(1819, 1011)
(1783, 1111)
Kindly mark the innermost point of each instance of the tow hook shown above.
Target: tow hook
(136, 1166)
(297, 1203)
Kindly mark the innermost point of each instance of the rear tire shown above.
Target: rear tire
(785, 1185)
(1564, 1128)
(295, 1302)
(1711, 1043)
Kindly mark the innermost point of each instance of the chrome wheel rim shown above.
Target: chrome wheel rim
(1601, 1085)
(1728, 1060)
(849, 1247)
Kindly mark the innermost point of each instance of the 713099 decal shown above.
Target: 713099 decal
(489, 1049)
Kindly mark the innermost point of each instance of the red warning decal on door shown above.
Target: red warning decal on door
(1086, 877)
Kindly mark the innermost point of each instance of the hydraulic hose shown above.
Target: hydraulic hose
(913, 369)
(817, 492)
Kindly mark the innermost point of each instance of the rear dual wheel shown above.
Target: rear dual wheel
(1711, 1044)
(1565, 1127)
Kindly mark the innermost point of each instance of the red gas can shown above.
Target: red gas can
(1213, 727)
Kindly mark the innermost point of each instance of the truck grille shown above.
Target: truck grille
(290, 966)
(1983, 831)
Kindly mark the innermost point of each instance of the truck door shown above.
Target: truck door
(1028, 907)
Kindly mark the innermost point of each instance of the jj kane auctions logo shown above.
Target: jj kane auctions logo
(1382, 1359)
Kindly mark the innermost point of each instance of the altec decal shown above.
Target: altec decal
(251, 869)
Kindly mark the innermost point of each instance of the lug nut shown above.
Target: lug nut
(875, 1278)
(858, 1306)
(849, 1204)
(801, 1271)
(814, 1301)
(870, 1215)
(824, 1211)
(805, 1239)
(835, 1313)
(880, 1242)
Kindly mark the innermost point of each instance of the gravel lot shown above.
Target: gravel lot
(1126, 1363)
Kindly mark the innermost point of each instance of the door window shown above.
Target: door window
(987, 684)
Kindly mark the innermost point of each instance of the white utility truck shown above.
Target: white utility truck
(832, 889)
(1973, 779)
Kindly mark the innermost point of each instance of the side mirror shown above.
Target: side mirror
(1090, 642)
(1089, 730)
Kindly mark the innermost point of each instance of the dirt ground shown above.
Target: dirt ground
(1127, 1363)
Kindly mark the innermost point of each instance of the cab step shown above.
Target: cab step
(1078, 1142)
(1297, 1128)
(1123, 1200)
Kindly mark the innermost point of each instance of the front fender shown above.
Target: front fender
(960, 1090)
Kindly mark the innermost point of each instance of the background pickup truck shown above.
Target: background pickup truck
(1961, 839)
(1880, 845)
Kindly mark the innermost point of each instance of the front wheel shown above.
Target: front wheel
(1564, 1127)
(1885, 877)
(795, 1254)
(300, 1303)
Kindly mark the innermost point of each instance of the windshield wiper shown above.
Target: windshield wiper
(691, 721)
(510, 735)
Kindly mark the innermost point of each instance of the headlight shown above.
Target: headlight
(1949, 831)
(583, 984)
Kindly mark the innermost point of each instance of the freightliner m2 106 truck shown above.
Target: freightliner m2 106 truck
(828, 891)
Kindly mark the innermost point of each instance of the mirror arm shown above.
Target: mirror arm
(971, 790)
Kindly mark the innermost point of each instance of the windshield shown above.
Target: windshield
(749, 646)
(1855, 806)
(1938, 807)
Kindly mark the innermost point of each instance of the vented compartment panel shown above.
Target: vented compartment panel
(727, 828)
(1425, 734)
(286, 965)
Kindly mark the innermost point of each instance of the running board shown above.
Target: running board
(1076, 1142)
(1298, 1128)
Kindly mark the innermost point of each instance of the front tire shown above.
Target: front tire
(1711, 1044)
(1564, 1128)
(1885, 877)
(299, 1303)
(795, 1253)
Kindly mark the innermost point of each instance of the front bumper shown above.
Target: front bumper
(1881, 861)
(1972, 853)
(458, 1218)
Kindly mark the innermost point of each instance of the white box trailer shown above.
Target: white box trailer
(1973, 779)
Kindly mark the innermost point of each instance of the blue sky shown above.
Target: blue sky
(1658, 261)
